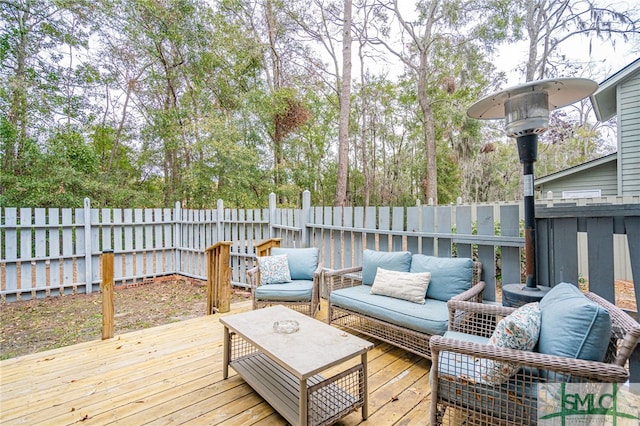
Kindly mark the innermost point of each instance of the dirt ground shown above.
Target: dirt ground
(38, 325)
(625, 295)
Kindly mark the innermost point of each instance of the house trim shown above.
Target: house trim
(576, 169)
(604, 100)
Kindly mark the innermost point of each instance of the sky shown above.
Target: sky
(605, 59)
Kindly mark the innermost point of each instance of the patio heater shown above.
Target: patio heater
(525, 109)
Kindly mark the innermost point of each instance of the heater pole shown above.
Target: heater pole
(528, 153)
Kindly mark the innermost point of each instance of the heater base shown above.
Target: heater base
(516, 295)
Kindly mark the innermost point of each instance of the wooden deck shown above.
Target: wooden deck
(173, 375)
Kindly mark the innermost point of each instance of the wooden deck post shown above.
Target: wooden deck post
(264, 247)
(219, 277)
(106, 287)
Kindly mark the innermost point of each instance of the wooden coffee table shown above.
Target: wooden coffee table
(285, 368)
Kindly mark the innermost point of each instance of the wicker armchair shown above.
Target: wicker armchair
(458, 397)
(287, 294)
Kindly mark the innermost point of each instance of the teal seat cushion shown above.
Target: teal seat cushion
(472, 338)
(572, 325)
(389, 260)
(431, 318)
(302, 261)
(294, 291)
(450, 276)
(459, 364)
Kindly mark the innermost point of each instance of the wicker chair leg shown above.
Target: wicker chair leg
(439, 415)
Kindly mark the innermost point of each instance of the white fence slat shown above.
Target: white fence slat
(11, 248)
(171, 215)
(55, 262)
(211, 228)
(138, 230)
(384, 224)
(67, 248)
(158, 242)
(463, 226)
(443, 218)
(127, 216)
(239, 264)
(78, 250)
(510, 256)
(187, 241)
(359, 238)
(347, 236)
(338, 255)
(429, 227)
(40, 244)
(118, 242)
(93, 246)
(325, 214)
(149, 255)
(486, 253)
(370, 237)
(397, 224)
(413, 225)
(107, 230)
(200, 269)
(47, 249)
(26, 242)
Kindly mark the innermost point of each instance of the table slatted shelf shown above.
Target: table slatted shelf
(282, 390)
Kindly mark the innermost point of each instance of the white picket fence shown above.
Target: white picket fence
(55, 251)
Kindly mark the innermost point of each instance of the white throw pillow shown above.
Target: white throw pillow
(519, 330)
(274, 269)
(411, 286)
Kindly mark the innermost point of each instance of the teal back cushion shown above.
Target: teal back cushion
(302, 261)
(450, 276)
(572, 325)
(389, 260)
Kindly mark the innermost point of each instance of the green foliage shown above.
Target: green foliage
(179, 101)
(67, 146)
(502, 22)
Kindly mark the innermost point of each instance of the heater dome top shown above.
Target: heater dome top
(561, 92)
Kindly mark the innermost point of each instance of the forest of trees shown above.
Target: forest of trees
(143, 103)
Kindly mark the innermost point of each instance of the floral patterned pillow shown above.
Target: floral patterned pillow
(274, 269)
(519, 330)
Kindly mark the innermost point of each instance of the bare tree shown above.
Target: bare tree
(345, 106)
(421, 38)
(550, 23)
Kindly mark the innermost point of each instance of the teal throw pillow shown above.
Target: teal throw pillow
(390, 260)
(450, 276)
(572, 325)
(303, 262)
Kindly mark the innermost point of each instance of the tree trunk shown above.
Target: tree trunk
(534, 13)
(345, 106)
(278, 133)
(429, 182)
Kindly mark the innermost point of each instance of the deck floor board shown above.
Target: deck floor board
(172, 374)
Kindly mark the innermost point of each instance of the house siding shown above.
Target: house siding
(601, 177)
(629, 135)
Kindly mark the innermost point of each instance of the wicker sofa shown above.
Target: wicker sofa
(394, 320)
(583, 340)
